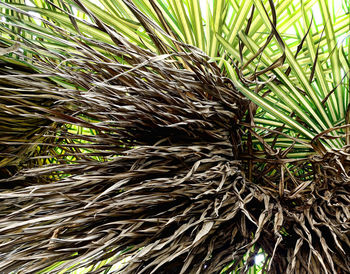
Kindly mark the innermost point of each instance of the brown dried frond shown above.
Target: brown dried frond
(167, 180)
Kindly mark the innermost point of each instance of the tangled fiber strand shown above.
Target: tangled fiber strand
(169, 182)
(310, 198)
(21, 89)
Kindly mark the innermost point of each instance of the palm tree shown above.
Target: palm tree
(184, 137)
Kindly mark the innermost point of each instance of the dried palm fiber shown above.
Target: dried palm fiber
(169, 179)
(310, 201)
(21, 87)
(168, 187)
